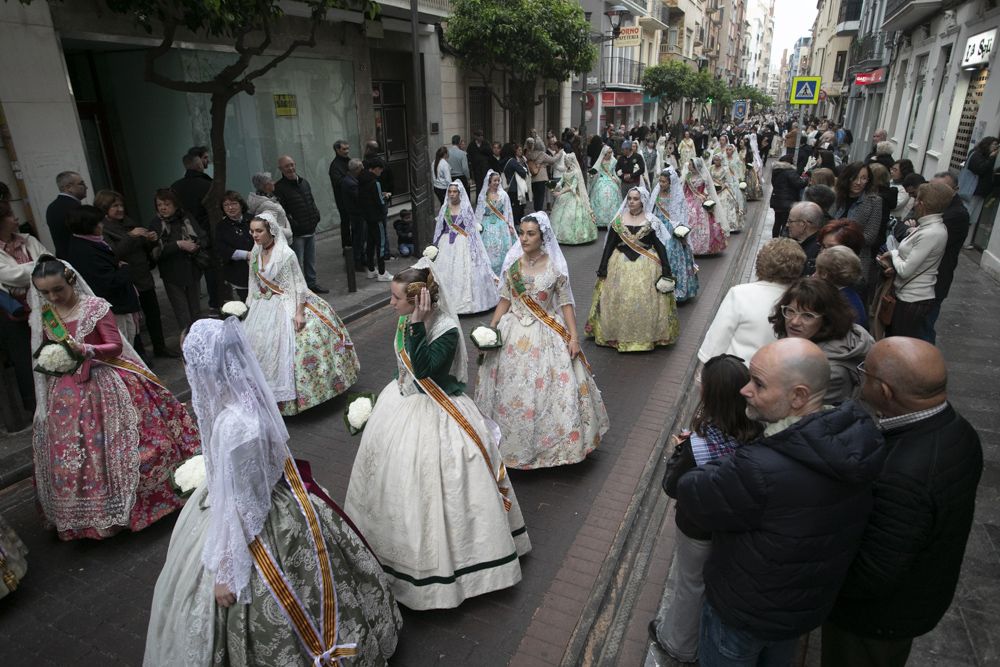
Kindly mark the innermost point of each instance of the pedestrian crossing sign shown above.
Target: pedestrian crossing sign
(805, 90)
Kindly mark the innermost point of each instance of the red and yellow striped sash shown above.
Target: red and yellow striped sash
(432, 389)
(498, 213)
(451, 223)
(539, 312)
(310, 307)
(320, 642)
(131, 367)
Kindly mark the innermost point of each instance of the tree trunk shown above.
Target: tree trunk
(213, 199)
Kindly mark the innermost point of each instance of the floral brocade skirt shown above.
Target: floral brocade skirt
(572, 220)
(627, 312)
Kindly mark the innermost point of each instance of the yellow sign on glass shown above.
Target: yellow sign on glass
(805, 90)
(285, 105)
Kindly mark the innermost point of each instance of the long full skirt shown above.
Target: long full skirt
(470, 278)
(425, 499)
(326, 364)
(187, 628)
(113, 433)
(683, 267)
(572, 220)
(707, 236)
(547, 405)
(627, 313)
(497, 239)
(733, 213)
(605, 200)
(754, 189)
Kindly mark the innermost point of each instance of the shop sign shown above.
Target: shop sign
(285, 105)
(868, 78)
(609, 99)
(630, 35)
(978, 48)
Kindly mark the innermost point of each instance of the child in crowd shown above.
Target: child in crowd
(404, 233)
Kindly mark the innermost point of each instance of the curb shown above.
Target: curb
(599, 632)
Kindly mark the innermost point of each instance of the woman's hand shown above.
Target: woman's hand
(300, 321)
(76, 346)
(574, 348)
(138, 231)
(223, 596)
(421, 306)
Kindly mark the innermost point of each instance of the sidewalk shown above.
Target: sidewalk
(15, 448)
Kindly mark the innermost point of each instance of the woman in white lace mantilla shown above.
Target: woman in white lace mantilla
(303, 348)
(250, 531)
(495, 219)
(538, 386)
(462, 258)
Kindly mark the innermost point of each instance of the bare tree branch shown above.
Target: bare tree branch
(154, 54)
(245, 83)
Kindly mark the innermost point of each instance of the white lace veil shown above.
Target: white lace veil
(676, 206)
(445, 319)
(658, 227)
(465, 206)
(476, 248)
(611, 165)
(229, 390)
(281, 249)
(504, 198)
(573, 167)
(757, 164)
(549, 245)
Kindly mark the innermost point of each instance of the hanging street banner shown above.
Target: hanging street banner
(630, 35)
(805, 90)
(740, 109)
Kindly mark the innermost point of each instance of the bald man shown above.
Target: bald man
(804, 222)
(905, 573)
(786, 512)
(295, 196)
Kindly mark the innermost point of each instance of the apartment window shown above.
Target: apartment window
(839, 66)
(672, 37)
(689, 37)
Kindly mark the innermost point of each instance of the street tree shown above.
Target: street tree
(250, 25)
(527, 42)
(758, 99)
(670, 82)
(701, 90)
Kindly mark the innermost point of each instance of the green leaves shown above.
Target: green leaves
(670, 81)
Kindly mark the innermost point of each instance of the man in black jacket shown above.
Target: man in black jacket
(372, 205)
(338, 169)
(479, 158)
(956, 219)
(786, 189)
(72, 190)
(786, 512)
(295, 196)
(350, 191)
(629, 167)
(905, 573)
(191, 189)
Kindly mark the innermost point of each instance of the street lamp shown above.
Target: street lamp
(615, 14)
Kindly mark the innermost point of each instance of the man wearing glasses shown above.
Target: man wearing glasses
(905, 573)
(72, 190)
(804, 222)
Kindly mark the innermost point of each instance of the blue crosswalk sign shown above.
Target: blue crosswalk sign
(805, 90)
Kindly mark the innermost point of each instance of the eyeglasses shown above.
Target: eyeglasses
(863, 371)
(804, 315)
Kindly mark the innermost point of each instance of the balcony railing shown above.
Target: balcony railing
(870, 51)
(850, 10)
(619, 71)
(904, 14)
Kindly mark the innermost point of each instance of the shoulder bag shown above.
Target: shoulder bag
(679, 463)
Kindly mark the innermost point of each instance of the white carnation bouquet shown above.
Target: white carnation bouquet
(681, 231)
(359, 409)
(743, 185)
(479, 228)
(486, 338)
(188, 476)
(237, 309)
(665, 285)
(430, 252)
(708, 205)
(57, 359)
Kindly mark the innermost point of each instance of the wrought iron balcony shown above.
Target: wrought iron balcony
(622, 72)
(848, 18)
(870, 51)
(658, 19)
(905, 14)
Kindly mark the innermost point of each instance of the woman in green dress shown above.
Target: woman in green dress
(605, 189)
(572, 217)
(634, 308)
(263, 568)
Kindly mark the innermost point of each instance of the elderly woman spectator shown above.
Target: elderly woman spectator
(264, 199)
(840, 266)
(18, 253)
(741, 326)
(913, 266)
(888, 194)
(138, 248)
(814, 309)
(823, 196)
(842, 232)
(858, 201)
(883, 154)
(823, 176)
(182, 256)
(96, 262)
(233, 243)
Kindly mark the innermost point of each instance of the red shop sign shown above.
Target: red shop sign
(868, 78)
(610, 99)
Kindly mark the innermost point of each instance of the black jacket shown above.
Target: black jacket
(982, 166)
(350, 189)
(135, 251)
(232, 235)
(179, 267)
(191, 190)
(905, 573)
(956, 219)
(297, 199)
(338, 169)
(55, 218)
(369, 202)
(479, 161)
(786, 186)
(811, 248)
(626, 169)
(786, 513)
(98, 265)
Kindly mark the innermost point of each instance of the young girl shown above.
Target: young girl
(720, 427)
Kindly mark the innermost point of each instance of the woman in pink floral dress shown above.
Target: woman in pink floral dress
(108, 435)
(707, 235)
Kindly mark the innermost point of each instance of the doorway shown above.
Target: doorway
(389, 103)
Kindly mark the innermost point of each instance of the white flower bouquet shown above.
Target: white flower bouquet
(743, 185)
(479, 228)
(665, 285)
(188, 476)
(57, 359)
(681, 231)
(236, 309)
(359, 409)
(708, 205)
(486, 338)
(430, 252)
(635, 169)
